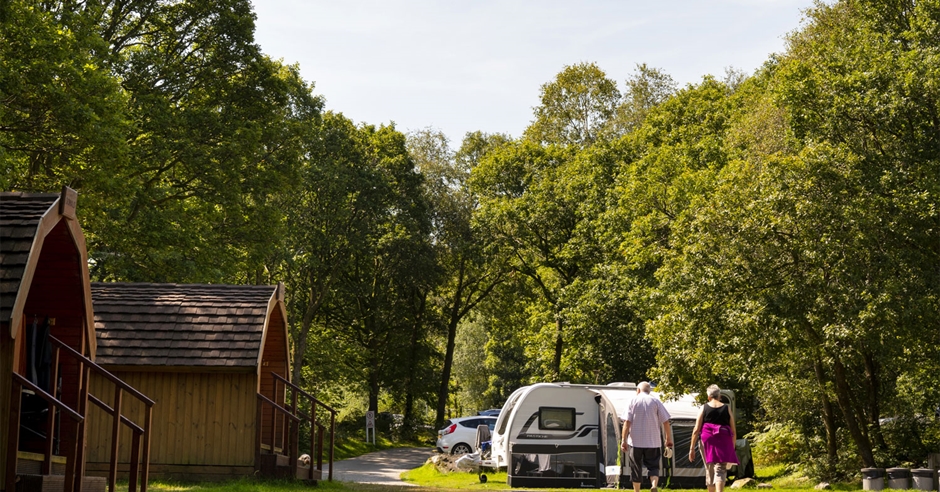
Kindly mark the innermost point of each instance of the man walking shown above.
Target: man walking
(645, 416)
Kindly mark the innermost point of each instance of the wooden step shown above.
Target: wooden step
(304, 472)
(56, 483)
(272, 466)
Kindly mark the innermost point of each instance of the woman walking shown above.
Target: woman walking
(715, 427)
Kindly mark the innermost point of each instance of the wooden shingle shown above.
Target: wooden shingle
(182, 325)
(20, 215)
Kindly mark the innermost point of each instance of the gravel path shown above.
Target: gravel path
(381, 467)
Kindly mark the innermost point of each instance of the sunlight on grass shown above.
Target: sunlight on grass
(429, 476)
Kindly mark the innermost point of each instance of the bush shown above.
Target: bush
(777, 444)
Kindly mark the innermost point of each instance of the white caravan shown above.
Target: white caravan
(557, 435)
(568, 435)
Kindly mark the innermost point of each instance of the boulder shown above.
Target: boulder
(744, 483)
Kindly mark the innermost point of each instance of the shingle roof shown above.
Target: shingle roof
(20, 215)
(140, 324)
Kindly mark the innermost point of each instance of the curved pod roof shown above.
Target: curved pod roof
(222, 327)
(26, 219)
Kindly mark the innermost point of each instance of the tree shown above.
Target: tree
(575, 106)
(469, 275)
(219, 127)
(330, 215)
(646, 88)
(373, 317)
(63, 115)
(167, 118)
(532, 202)
(819, 233)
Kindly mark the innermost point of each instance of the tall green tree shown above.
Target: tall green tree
(822, 233)
(575, 106)
(646, 88)
(374, 315)
(330, 213)
(530, 202)
(63, 114)
(469, 274)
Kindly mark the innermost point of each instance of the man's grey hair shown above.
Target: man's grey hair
(644, 387)
(714, 392)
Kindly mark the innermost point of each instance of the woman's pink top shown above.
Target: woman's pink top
(717, 438)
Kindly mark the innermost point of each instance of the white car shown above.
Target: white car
(459, 435)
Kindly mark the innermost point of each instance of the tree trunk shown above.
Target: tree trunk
(408, 416)
(559, 343)
(851, 416)
(300, 348)
(829, 420)
(374, 390)
(874, 409)
(452, 323)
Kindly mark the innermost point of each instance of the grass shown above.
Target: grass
(249, 485)
(428, 478)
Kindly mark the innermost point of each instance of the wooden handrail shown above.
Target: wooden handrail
(301, 391)
(278, 408)
(120, 387)
(110, 411)
(49, 398)
(103, 372)
(314, 425)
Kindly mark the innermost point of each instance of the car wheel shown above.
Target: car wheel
(460, 448)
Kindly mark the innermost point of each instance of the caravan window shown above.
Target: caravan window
(554, 418)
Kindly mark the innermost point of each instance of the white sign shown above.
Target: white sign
(370, 420)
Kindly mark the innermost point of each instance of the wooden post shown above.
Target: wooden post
(71, 454)
(115, 438)
(80, 435)
(50, 419)
(258, 432)
(13, 436)
(332, 441)
(135, 462)
(145, 452)
(320, 449)
(315, 429)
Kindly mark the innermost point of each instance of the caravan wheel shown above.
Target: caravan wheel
(482, 478)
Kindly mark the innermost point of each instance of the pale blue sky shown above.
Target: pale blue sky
(478, 65)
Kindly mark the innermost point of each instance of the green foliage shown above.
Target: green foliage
(575, 106)
(776, 444)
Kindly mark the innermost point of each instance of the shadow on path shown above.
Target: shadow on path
(381, 467)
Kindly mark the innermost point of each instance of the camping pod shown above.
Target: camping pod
(47, 350)
(204, 353)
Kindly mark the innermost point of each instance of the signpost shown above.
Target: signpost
(370, 425)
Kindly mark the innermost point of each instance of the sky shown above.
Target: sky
(464, 66)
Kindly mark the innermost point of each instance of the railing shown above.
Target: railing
(292, 440)
(316, 428)
(19, 382)
(74, 469)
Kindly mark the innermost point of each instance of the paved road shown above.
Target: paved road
(381, 467)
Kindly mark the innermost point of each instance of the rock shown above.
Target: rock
(744, 483)
(823, 486)
(764, 486)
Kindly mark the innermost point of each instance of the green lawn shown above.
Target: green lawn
(427, 478)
